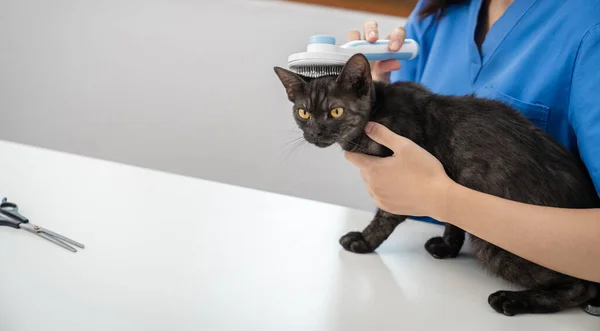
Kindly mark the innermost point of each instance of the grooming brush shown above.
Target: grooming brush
(324, 58)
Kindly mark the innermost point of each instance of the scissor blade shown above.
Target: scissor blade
(56, 241)
(48, 235)
(63, 238)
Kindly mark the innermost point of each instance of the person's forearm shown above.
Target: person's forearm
(565, 240)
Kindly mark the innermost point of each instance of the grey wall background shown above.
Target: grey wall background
(179, 86)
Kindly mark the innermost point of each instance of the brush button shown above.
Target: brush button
(321, 40)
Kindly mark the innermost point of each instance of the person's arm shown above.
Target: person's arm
(565, 240)
(414, 182)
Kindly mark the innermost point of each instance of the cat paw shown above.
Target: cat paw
(508, 303)
(439, 249)
(354, 242)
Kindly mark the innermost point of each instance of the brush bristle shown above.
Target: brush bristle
(317, 70)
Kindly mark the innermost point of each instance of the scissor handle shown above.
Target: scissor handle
(10, 216)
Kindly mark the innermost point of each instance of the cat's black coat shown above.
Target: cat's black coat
(483, 144)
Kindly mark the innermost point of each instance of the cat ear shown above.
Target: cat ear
(293, 83)
(356, 75)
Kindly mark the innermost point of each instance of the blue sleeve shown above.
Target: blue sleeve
(584, 102)
(420, 31)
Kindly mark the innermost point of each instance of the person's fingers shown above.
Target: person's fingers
(371, 31)
(353, 35)
(361, 161)
(397, 39)
(385, 136)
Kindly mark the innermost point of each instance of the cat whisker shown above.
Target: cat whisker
(293, 131)
(302, 147)
(288, 152)
(292, 141)
(298, 148)
(294, 146)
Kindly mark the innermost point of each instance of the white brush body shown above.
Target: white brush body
(323, 57)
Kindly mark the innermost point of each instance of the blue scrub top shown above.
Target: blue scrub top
(542, 57)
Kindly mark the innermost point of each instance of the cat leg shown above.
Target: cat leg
(380, 228)
(549, 291)
(447, 246)
(539, 301)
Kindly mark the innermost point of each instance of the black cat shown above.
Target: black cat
(483, 144)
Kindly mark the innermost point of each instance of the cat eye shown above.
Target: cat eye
(303, 114)
(337, 112)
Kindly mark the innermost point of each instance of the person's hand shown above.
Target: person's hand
(411, 182)
(380, 70)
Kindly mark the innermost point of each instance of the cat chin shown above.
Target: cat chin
(323, 145)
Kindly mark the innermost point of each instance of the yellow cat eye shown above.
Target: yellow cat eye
(337, 112)
(303, 114)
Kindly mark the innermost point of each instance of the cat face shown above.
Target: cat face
(331, 109)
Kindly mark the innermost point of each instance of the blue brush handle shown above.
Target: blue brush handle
(379, 51)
